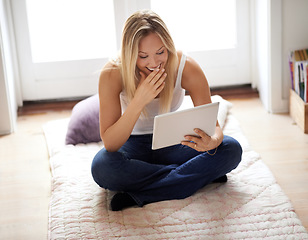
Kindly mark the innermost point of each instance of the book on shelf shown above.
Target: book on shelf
(298, 63)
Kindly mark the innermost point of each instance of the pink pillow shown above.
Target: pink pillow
(83, 126)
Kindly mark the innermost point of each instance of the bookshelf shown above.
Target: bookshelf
(299, 111)
(298, 62)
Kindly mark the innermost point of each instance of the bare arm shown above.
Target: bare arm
(195, 82)
(116, 128)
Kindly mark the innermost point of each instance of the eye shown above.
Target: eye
(160, 53)
(143, 57)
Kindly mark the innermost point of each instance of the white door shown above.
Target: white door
(215, 33)
(63, 44)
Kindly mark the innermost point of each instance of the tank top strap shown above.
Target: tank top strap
(180, 71)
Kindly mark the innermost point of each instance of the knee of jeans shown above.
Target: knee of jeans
(234, 148)
(97, 165)
(103, 169)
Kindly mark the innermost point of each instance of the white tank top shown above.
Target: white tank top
(144, 125)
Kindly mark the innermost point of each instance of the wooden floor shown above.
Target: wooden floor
(25, 177)
(283, 147)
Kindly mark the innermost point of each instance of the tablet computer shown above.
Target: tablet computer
(170, 128)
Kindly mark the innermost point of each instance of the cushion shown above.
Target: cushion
(83, 126)
(224, 107)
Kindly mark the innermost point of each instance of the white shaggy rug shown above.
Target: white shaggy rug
(251, 205)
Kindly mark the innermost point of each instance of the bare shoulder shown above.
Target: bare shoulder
(190, 64)
(192, 74)
(110, 78)
(195, 82)
(179, 53)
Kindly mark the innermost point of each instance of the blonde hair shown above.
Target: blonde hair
(137, 26)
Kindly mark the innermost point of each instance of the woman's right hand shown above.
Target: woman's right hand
(115, 128)
(150, 86)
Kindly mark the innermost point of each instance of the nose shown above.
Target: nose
(154, 61)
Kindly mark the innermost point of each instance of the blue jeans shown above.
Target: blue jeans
(174, 172)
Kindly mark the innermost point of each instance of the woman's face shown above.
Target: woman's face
(151, 54)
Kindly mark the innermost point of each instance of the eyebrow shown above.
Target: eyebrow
(156, 51)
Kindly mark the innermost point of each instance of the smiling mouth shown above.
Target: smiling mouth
(152, 69)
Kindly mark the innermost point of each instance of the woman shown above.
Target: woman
(150, 77)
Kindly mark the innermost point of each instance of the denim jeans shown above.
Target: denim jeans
(174, 172)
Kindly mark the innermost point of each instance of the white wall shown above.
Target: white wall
(266, 48)
(294, 34)
(10, 96)
(260, 49)
(278, 26)
(6, 123)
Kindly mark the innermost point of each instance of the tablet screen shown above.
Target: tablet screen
(170, 128)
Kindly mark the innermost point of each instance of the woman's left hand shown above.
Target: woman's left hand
(201, 142)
